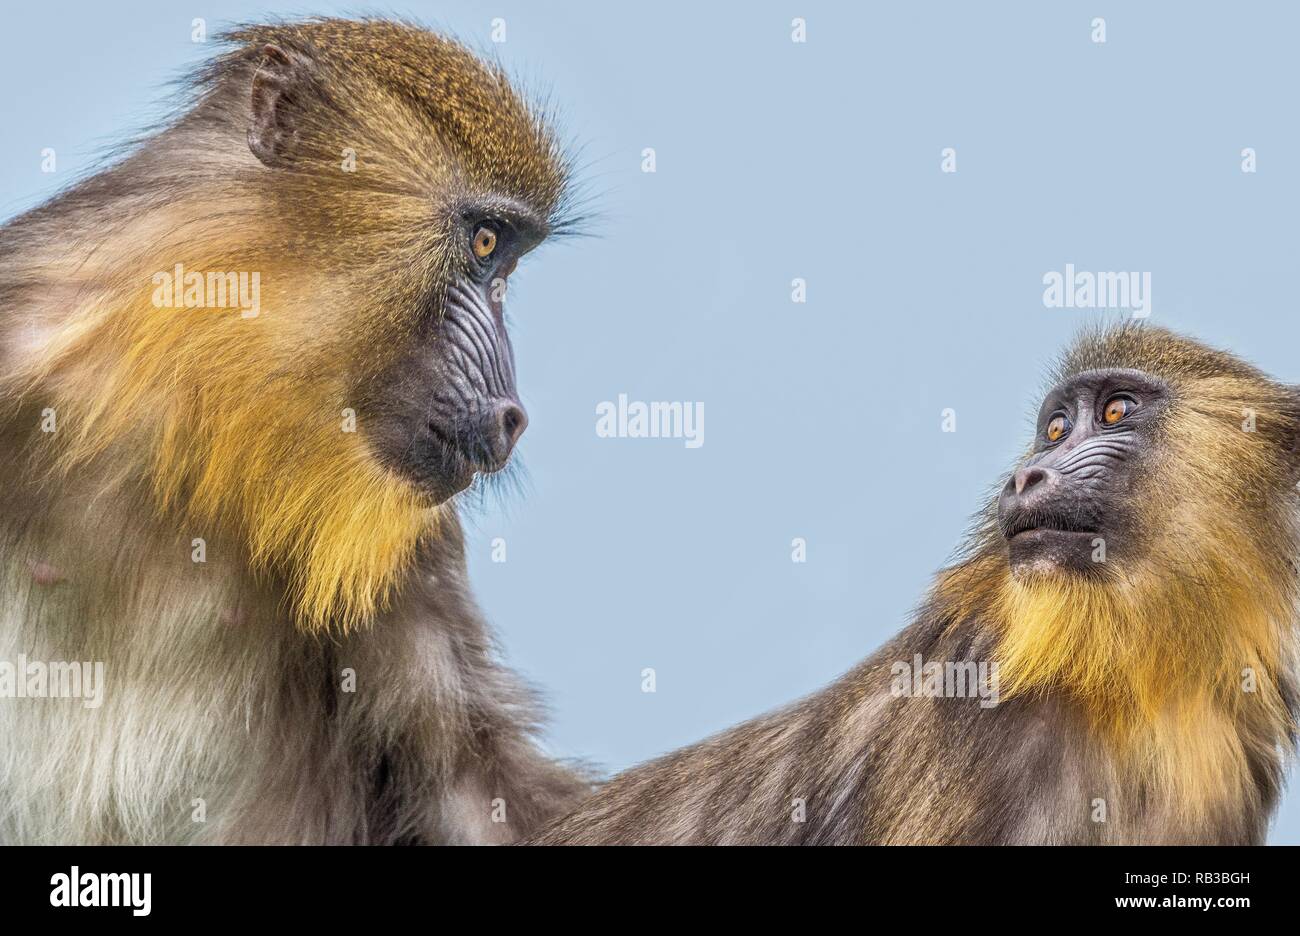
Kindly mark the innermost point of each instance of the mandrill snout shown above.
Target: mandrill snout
(451, 448)
(1034, 496)
(1048, 519)
(502, 426)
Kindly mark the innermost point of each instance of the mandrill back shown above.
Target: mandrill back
(855, 764)
(244, 374)
(1112, 660)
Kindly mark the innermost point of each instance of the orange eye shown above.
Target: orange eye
(485, 241)
(1116, 409)
(1057, 428)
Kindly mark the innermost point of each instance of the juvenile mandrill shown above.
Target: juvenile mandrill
(1112, 661)
(243, 374)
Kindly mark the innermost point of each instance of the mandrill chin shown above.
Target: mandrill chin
(244, 373)
(1111, 661)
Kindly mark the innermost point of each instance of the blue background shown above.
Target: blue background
(778, 160)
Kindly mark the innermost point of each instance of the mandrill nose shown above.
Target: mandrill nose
(1032, 488)
(1026, 478)
(504, 424)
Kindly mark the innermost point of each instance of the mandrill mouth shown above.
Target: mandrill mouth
(442, 455)
(449, 454)
(1022, 523)
(1052, 537)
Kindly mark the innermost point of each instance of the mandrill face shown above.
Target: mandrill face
(1070, 505)
(455, 179)
(447, 409)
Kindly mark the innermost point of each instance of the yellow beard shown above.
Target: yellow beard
(238, 436)
(1128, 652)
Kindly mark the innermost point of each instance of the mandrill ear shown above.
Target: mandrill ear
(283, 85)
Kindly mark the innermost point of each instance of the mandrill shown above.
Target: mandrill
(1111, 661)
(243, 374)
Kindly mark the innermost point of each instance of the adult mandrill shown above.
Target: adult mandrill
(1129, 604)
(244, 372)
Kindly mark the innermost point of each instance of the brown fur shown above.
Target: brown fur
(1123, 715)
(225, 678)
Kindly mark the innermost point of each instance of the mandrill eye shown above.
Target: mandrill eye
(485, 241)
(1116, 409)
(1057, 428)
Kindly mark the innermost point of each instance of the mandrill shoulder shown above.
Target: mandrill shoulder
(804, 774)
